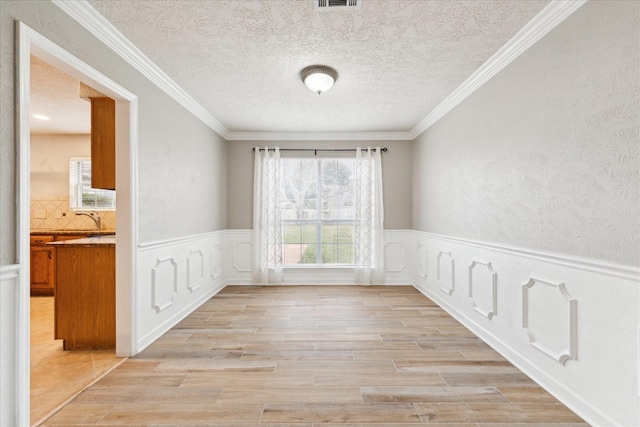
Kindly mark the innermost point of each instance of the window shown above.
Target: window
(81, 195)
(318, 213)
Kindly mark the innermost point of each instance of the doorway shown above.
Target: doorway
(32, 43)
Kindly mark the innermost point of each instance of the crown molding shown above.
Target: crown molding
(545, 21)
(320, 136)
(552, 15)
(83, 13)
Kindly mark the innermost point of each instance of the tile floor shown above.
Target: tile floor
(58, 375)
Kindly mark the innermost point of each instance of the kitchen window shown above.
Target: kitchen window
(81, 195)
(317, 211)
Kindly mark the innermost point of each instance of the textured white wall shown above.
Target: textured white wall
(182, 162)
(396, 176)
(545, 155)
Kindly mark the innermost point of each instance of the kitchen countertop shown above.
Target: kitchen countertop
(42, 231)
(104, 240)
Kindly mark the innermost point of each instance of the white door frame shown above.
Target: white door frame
(31, 42)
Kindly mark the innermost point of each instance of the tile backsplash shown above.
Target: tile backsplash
(53, 213)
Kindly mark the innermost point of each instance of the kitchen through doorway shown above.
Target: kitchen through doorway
(60, 130)
(34, 316)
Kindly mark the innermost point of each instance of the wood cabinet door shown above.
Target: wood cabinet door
(42, 270)
(103, 143)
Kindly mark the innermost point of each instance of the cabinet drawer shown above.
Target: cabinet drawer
(40, 240)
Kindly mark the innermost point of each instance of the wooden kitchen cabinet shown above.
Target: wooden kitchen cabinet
(103, 143)
(43, 262)
(42, 266)
(85, 306)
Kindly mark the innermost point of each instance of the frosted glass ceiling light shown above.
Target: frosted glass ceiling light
(319, 78)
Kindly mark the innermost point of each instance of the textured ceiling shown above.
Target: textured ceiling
(240, 59)
(55, 94)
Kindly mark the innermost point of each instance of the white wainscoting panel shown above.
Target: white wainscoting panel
(483, 288)
(399, 257)
(216, 261)
(172, 282)
(549, 318)
(446, 272)
(164, 283)
(570, 323)
(242, 257)
(422, 261)
(9, 380)
(395, 257)
(195, 270)
(238, 259)
(398, 250)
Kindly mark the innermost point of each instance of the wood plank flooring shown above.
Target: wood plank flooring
(317, 355)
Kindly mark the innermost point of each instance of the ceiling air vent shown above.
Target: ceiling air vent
(337, 4)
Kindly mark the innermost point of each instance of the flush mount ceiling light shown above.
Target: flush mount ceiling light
(41, 117)
(319, 78)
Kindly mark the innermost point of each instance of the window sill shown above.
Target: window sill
(318, 267)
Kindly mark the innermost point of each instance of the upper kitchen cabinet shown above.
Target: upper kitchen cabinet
(103, 143)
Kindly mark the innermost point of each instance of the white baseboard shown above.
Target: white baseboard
(169, 323)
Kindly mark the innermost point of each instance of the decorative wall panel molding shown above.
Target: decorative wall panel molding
(241, 257)
(195, 270)
(422, 261)
(446, 272)
(164, 283)
(549, 318)
(395, 257)
(175, 276)
(607, 333)
(216, 261)
(483, 288)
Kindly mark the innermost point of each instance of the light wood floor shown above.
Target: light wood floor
(58, 375)
(311, 355)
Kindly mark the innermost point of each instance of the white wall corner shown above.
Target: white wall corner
(422, 261)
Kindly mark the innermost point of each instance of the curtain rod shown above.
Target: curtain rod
(315, 150)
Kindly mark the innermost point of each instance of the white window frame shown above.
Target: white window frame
(318, 222)
(77, 188)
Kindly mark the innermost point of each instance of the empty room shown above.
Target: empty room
(328, 212)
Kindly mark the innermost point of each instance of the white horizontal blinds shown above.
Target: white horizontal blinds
(75, 189)
(81, 195)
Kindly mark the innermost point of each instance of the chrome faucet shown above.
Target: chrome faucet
(95, 216)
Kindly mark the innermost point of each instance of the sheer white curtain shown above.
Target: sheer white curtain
(267, 221)
(369, 259)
